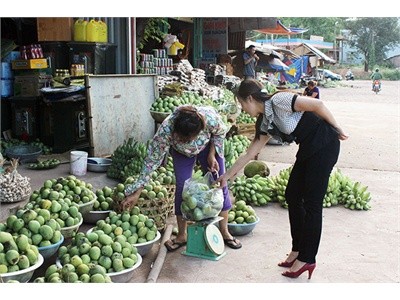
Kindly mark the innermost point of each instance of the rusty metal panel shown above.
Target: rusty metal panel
(243, 24)
(118, 108)
(236, 40)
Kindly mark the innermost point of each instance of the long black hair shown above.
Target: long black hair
(187, 124)
(254, 88)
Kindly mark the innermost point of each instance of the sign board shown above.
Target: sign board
(215, 40)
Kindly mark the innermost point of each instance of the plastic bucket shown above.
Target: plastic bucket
(78, 162)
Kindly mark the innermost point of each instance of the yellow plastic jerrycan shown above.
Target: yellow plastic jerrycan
(103, 35)
(92, 31)
(173, 50)
(80, 30)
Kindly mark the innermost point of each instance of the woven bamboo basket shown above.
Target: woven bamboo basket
(247, 130)
(159, 209)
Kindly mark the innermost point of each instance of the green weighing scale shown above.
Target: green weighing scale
(204, 240)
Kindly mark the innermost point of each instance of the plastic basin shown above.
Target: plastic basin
(98, 164)
(127, 274)
(68, 232)
(242, 229)
(48, 251)
(91, 217)
(121, 276)
(25, 275)
(159, 117)
(144, 248)
(86, 207)
(25, 153)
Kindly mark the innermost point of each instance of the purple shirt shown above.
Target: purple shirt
(309, 91)
(159, 146)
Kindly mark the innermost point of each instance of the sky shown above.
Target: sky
(203, 8)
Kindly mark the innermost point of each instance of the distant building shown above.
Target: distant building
(394, 61)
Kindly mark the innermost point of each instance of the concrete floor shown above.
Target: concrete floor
(356, 246)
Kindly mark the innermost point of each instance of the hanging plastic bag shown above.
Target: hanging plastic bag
(201, 200)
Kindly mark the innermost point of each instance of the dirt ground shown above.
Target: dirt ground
(371, 120)
(356, 246)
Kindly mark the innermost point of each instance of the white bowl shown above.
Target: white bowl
(144, 248)
(86, 207)
(22, 276)
(158, 116)
(127, 274)
(48, 251)
(91, 217)
(242, 229)
(121, 276)
(98, 164)
(68, 232)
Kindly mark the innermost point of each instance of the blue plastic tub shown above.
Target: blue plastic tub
(48, 251)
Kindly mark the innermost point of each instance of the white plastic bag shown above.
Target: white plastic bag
(201, 200)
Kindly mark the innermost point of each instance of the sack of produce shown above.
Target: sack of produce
(201, 200)
(13, 186)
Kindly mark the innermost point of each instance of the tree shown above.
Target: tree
(151, 30)
(319, 26)
(327, 27)
(373, 37)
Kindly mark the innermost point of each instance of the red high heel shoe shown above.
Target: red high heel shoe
(287, 264)
(307, 267)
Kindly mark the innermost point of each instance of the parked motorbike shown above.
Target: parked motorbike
(376, 87)
(304, 79)
(349, 76)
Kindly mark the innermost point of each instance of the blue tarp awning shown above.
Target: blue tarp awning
(294, 71)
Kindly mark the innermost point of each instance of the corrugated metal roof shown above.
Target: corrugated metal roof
(243, 24)
(282, 29)
(300, 51)
(268, 47)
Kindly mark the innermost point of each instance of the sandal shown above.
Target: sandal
(233, 243)
(173, 245)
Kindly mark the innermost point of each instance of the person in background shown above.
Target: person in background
(311, 90)
(250, 59)
(189, 134)
(312, 126)
(376, 76)
(349, 75)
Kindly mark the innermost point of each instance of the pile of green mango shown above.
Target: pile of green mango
(104, 199)
(75, 272)
(16, 253)
(114, 252)
(245, 118)
(37, 225)
(45, 164)
(241, 213)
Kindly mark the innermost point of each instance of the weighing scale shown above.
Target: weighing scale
(204, 240)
